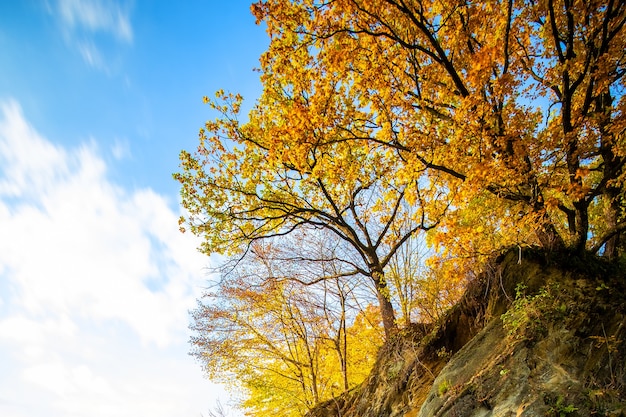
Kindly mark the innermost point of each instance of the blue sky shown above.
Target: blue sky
(97, 98)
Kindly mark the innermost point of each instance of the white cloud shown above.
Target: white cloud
(83, 22)
(91, 54)
(106, 16)
(83, 230)
(27, 164)
(95, 285)
(120, 149)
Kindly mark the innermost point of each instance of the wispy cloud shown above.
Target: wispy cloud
(95, 285)
(120, 149)
(91, 54)
(83, 20)
(106, 16)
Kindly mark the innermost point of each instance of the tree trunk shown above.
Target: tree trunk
(613, 166)
(582, 225)
(386, 308)
(611, 248)
(548, 235)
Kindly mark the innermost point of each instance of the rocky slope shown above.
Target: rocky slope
(535, 335)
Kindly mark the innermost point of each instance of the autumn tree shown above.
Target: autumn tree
(252, 181)
(287, 344)
(517, 106)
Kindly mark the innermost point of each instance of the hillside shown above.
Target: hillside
(535, 335)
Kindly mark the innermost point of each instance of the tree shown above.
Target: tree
(251, 182)
(517, 105)
(288, 345)
(267, 340)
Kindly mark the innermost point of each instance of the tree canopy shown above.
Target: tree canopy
(519, 100)
(252, 182)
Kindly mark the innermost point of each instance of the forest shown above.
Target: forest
(397, 145)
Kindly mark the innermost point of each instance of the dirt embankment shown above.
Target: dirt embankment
(535, 335)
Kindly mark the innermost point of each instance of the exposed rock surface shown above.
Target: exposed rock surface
(534, 336)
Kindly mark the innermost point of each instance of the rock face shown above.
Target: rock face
(534, 336)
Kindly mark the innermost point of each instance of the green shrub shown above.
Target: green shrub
(529, 315)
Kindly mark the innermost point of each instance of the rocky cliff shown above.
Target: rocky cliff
(534, 335)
